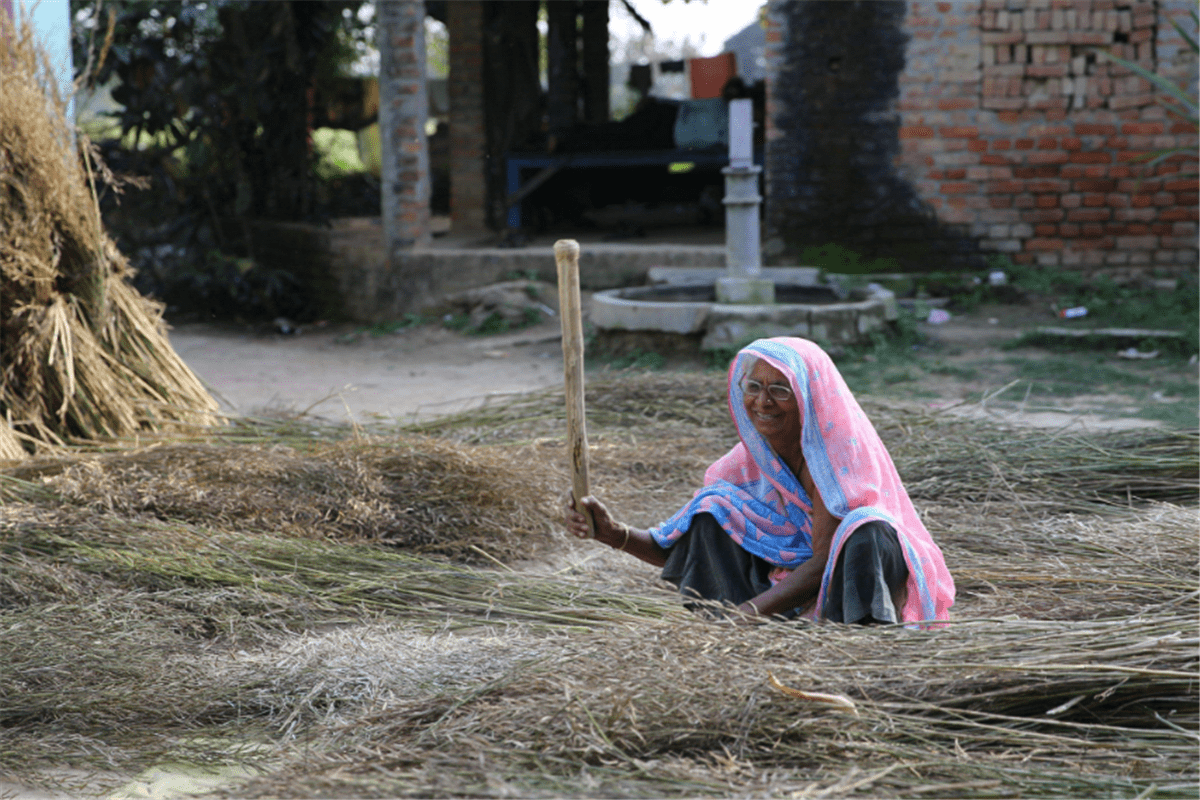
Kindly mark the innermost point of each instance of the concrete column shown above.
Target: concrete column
(403, 109)
(468, 132)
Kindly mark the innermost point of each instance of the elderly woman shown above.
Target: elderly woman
(806, 515)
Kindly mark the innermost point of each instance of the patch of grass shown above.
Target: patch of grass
(638, 359)
(835, 258)
(494, 323)
(1109, 304)
(889, 357)
(952, 370)
(1173, 349)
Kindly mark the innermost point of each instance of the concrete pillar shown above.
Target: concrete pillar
(403, 109)
(468, 132)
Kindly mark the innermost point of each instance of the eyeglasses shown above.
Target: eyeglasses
(775, 391)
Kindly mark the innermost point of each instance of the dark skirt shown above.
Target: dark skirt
(867, 585)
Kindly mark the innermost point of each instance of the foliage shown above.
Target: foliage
(213, 109)
(1110, 304)
(837, 259)
(492, 324)
(1177, 102)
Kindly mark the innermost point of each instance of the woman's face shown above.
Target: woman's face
(777, 420)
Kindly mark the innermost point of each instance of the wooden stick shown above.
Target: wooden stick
(566, 258)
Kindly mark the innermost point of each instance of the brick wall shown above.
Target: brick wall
(403, 109)
(832, 140)
(1011, 124)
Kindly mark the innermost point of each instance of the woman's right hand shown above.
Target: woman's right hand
(607, 530)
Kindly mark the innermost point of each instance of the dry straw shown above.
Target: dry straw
(83, 355)
(272, 586)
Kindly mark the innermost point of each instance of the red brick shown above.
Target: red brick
(1141, 128)
(1007, 116)
(1130, 155)
(1007, 37)
(1090, 158)
(977, 145)
(1089, 214)
(1045, 230)
(1094, 185)
(1043, 245)
(1094, 129)
(1024, 201)
(1046, 70)
(1024, 144)
(1180, 215)
(1047, 143)
(1115, 200)
(956, 174)
(1184, 198)
(1005, 187)
(1091, 230)
(1046, 171)
(958, 187)
(1071, 143)
(994, 160)
(1049, 157)
(1185, 185)
(1001, 144)
(959, 132)
(1161, 229)
(1068, 230)
(1071, 200)
(957, 104)
(1141, 200)
(1047, 201)
(916, 132)
(1047, 185)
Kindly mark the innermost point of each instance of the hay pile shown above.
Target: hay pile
(229, 600)
(416, 493)
(84, 356)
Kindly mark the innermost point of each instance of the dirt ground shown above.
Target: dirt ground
(344, 373)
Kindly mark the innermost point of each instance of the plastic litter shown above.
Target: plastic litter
(1133, 352)
(1073, 313)
(938, 316)
(997, 278)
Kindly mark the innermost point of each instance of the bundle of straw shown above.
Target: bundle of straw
(84, 356)
(416, 493)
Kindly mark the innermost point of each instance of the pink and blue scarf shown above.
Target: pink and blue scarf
(762, 506)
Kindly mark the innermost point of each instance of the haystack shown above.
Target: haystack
(84, 356)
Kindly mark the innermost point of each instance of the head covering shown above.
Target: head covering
(763, 507)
